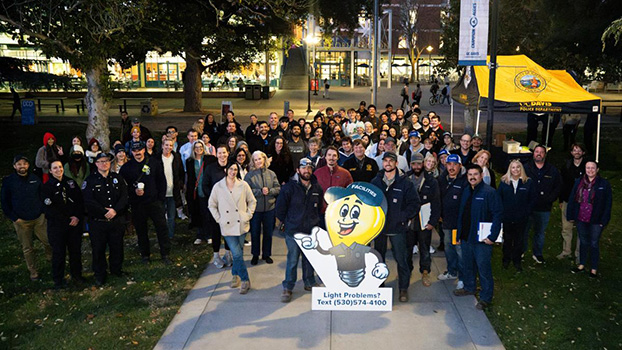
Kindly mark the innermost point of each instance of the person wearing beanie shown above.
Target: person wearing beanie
(77, 168)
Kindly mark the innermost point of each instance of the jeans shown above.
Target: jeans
(399, 247)
(171, 211)
(453, 254)
(589, 234)
(265, 219)
(539, 220)
(236, 245)
(291, 270)
(476, 259)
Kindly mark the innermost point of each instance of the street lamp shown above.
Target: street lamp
(429, 48)
(311, 40)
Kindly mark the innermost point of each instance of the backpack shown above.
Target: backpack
(444, 92)
(403, 93)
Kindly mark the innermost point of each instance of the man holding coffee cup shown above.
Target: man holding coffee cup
(147, 191)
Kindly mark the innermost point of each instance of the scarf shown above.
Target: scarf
(585, 184)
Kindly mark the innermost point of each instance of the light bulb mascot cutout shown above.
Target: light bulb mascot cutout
(354, 217)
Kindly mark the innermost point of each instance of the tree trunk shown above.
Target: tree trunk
(97, 107)
(192, 82)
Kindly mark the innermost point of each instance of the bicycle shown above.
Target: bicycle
(434, 99)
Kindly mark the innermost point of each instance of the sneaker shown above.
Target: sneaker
(209, 241)
(462, 292)
(593, 275)
(286, 297)
(198, 241)
(268, 260)
(432, 250)
(415, 250)
(460, 285)
(576, 269)
(245, 287)
(538, 259)
(447, 276)
(228, 258)
(254, 260)
(425, 279)
(482, 305)
(403, 295)
(247, 243)
(218, 262)
(85, 234)
(235, 281)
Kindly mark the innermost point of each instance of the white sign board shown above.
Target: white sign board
(379, 299)
(473, 45)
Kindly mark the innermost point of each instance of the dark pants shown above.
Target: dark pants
(424, 239)
(405, 99)
(102, 234)
(476, 261)
(399, 247)
(513, 237)
(570, 134)
(16, 107)
(204, 224)
(265, 219)
(589, 235)
(589, 129)
(64, 238)
(154, 211)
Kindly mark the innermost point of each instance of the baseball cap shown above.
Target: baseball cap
(137, 145)
(447, 133)
(416, 158)
(390, 155)
(304, 162)
(414, 133)
(104, 155)
(135, 120)
(366, 192)
(443, 152)
(389, 139)
(453, 158)
(20, 157)
(476, 136)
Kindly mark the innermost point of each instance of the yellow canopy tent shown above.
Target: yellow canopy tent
(524, 86)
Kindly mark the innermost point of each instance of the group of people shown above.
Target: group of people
(232, 182)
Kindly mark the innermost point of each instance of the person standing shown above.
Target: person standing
(297, 146)
(451, 184)
(77, 168)
(106, 200)
(186, 150)
(196, 199)
(465, 152)
(361, 167)
(266, 187)
(49, 152)
(17, 103)
(446, 94)
(64, 212)
(480, 203)
(22, 204)
(146, 195)
(517, 194)
(403, 205)
(126, 126)
(427, 187)
(573, 170)
(417, 94)
(298, 208)
(326, 89)
(570, 123)
(174, 174)
(547, 182)
(589, 207)
(232, 205)
(280, 159)
(404, 94)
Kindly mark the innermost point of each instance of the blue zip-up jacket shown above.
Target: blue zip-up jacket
(486, 207)
(451, 195)
(402, 203)
(298, 207)
(517, 206)
(547, 182)
(21, 197)
(601, 207)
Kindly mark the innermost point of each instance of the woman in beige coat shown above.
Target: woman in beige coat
(232, 204)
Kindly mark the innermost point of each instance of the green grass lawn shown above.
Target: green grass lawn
(547, 307)
(128, 312)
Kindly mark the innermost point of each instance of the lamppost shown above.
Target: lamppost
(429, 48)
(311, 40)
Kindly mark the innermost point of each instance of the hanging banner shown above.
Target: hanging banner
(473, 45)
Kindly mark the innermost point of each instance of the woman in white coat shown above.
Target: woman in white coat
(232, 204)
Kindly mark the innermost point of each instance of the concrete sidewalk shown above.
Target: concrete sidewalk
(214, 315)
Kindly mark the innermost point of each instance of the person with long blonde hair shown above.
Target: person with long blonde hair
(482, 158)
(518, 197)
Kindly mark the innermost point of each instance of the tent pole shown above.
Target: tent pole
(598, 138)
(492, 71)
(451, 121)
(477, 124)
(548, 126)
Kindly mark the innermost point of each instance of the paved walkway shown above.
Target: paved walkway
(214, 315)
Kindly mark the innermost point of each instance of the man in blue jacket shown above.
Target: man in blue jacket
(480, 203)
(403, 205)
(452, 184)
(298, 207)
(21, 202)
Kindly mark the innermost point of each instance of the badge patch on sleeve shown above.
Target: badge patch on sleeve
(47, 201)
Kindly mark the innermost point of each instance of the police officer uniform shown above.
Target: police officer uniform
(63, 200)
(101, 192)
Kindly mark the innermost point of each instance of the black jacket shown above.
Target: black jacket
(298, 208)
(402, 203)
(178, 176)
(569, 175)
(517, 206)
(428, 193)
(547, 182)
(101, 192)
(601, 206)
(149, 172)
(212, 173)
(62, 200)
(365, 173)
(451, 194)
(21, 197)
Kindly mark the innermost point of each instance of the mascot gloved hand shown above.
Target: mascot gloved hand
(380, 271)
